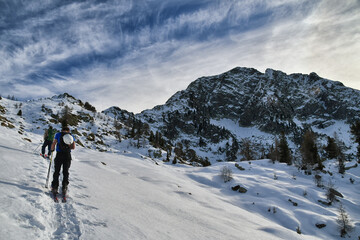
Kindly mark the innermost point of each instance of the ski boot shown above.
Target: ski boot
(63, 192)
(54, 192)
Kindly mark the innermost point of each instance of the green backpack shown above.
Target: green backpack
(51, 134)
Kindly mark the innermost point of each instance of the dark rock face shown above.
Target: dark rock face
(272, 101)
(211, 113)
(118, 113)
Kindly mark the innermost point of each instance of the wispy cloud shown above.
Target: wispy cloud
(136, 54)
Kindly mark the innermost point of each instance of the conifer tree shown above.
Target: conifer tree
(274, 151)
(232, 150)
(355, 131)
(151, 137)
(341, 160)
(331, 148)
(179, 153)
(309, 150)
(65, 116)
(89, 107)
(284, 150)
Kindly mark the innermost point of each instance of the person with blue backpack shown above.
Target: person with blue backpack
(64, 142)
(48, 140)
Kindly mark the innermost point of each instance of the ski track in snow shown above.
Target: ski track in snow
(47, 220)
(62, 217)
(67, 225)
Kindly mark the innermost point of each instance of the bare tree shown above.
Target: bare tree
(226, 174)
(343, 222)
(246, 149)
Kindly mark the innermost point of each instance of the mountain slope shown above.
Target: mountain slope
(245, 103)
(131, 197)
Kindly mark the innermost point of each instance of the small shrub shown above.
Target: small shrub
(226, 174)
(275, 177)
(205, 162)
(352, 181)
(157, 154)
(318, 181)
(343, 222)
(91, 137)
(273, 210)
(2, 109)
(295, 204)
(305, 193)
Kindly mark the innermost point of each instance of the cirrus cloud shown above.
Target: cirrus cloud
(136, 54)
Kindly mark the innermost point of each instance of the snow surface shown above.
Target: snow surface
(123, 194)
(132, 198)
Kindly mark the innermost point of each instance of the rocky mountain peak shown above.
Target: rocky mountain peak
(272, 102)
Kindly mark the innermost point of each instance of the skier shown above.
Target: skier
(64, 143)
(48, 139)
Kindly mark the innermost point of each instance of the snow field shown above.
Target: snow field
(128, 198)
(133, 198)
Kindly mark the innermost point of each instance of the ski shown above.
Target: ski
(47, 157)
(55, 197)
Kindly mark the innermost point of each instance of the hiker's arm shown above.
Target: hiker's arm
(72, 146)
(53, 145)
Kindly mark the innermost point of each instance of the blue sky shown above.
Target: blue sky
(135, 54)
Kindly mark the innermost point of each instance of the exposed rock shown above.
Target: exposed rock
(324, 202)
(239, 189)
(320, 225)
(335, 192)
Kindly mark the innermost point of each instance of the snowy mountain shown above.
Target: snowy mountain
(124, 183)
(244, 103)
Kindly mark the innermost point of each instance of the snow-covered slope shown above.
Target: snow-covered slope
(122, 194)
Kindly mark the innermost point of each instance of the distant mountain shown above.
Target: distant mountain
(217, 108)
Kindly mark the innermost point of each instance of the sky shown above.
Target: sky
(136, 54)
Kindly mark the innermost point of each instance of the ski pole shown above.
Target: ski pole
(37, 148)
(47, 178)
